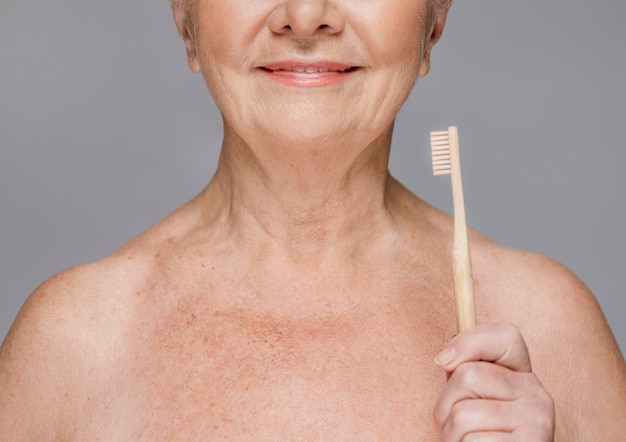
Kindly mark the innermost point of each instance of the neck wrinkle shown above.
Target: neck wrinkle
(309, 205)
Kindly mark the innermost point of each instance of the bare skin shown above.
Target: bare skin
(304, 294)
(182, 336)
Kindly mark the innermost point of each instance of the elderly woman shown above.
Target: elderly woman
(303, 294)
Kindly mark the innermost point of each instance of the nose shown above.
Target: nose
(305, 18)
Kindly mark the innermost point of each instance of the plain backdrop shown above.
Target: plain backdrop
(103, 131)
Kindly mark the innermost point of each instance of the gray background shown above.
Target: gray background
(103, 131)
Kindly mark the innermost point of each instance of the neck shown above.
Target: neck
(308, 198)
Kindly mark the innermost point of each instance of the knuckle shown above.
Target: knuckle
(468, 376)
(540, 396)
(541, 431)
(510, 331)
(462, 415)
(546, 402)
(540, 411)
(477, 437)
(439, 414)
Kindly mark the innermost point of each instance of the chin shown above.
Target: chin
(309, 125)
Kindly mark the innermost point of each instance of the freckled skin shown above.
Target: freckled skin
(181, 345)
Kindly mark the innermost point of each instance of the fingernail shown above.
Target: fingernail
(445, 357)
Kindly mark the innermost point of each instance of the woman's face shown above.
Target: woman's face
(301, 71)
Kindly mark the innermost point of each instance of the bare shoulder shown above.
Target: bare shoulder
(571, 345)
(537, 291)
(527, 282)
(65, 347)
(62, 338)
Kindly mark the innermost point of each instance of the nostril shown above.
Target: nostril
(305, 17)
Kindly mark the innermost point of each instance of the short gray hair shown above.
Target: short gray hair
(440, 4)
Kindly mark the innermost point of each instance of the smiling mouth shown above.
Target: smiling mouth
(311, 70)
(309, 74)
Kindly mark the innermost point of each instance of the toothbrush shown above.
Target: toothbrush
(447, 161)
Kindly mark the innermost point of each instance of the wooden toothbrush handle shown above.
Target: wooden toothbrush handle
(461, 261)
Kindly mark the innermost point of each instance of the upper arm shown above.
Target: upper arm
(40, 359)
(574, 354)
(29, 375)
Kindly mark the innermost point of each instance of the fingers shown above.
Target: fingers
(501, 343)
(488, 381)
(476, 380)
(470, 418)
(492, 393)
(486, 419)
(489, 436)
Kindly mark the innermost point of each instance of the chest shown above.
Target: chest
(230, 375)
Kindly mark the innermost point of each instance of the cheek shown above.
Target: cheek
(224, 31)
(220, 48)
(396, 32)
(213, 41)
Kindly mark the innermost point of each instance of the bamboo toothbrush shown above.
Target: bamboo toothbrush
(447, 160)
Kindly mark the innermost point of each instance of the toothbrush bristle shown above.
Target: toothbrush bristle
(440, 148)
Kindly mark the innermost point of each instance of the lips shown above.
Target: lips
(310, 69)
(309, 74)
(309, 66)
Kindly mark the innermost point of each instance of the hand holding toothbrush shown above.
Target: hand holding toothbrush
(492, 393)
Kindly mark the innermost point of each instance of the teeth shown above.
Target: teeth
(313, 70)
